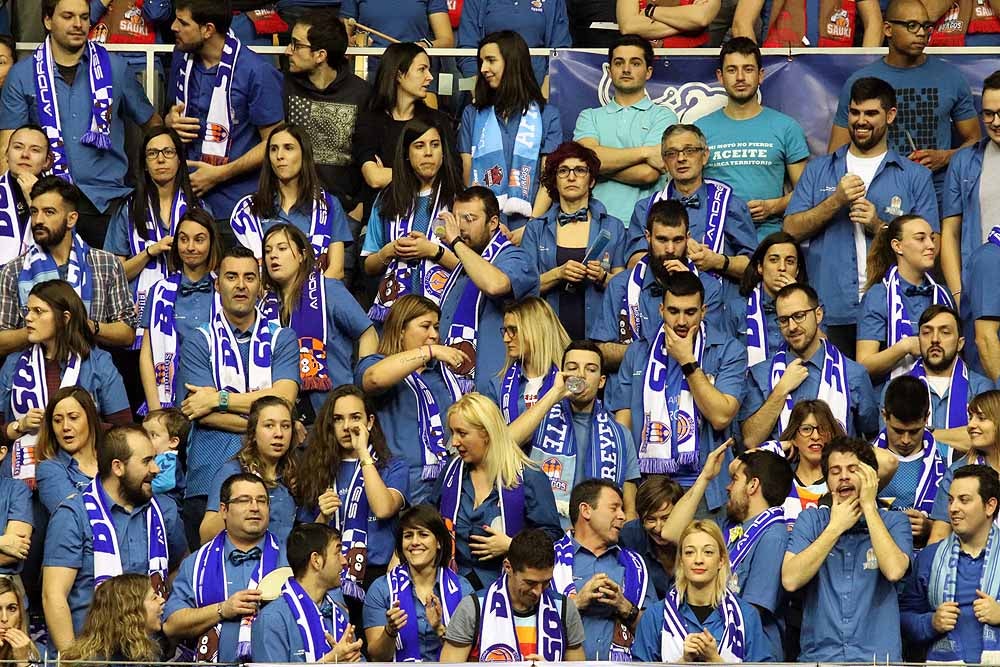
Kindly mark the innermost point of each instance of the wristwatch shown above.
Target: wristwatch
(223, 401)
(689, 368)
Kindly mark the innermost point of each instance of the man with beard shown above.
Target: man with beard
(115, 526)
(752, 147)
(81, 95)
(59, 252)
(625, 133)
(28, 155)
(632, 299)
(806, 366)
(759, 483)
(844, 198)
(216, 589)
(491, 270)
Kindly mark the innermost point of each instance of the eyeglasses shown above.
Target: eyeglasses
(806, 430)
(581, 171)
(799, 317)
(169, 153)
(913, 27)
(263, 501)
(296, 45)
(989, 115)
(508, 331)
(687, 151)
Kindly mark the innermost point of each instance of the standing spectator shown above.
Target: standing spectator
(681, 25)
(129, 22)
(422, 21)
(968, 24)
(15, 524)
(797, 23)
(28, 155)
(980, 307)
(583, 15)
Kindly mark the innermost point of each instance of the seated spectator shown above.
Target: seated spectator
(146, 536)
(86, 131)
(289, 192)
(305, 624)
(405, 380)
(16, 525)
(700, 619)
(168, 430)
(654, 501)
(215, 596)
(407, 611)
(17, 644)
(509, 109)
(178, 305)
(562, 242)
(423, 21)
(520, 495)
(266, 452)
(797, 23)
(512, 625)
(319, 309)
(681, 26)
(62, 353)
(980, 308)
(399, 245)
(28, 156)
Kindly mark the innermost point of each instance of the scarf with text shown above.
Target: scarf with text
(756, 323)
(309, 322)
(351, 520)
(310, 622)
(898, 326)
(228, 369)
(249, 229)
(449, 589)
(958, 393)
(163, 341)
(833, 387)
(430, 426)
(717, 196)
(732, 646)
(744, 543)
(15, 234)
(219, 115)
(513, 188)
(498, 637)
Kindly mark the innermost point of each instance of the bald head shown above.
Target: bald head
(906, 10)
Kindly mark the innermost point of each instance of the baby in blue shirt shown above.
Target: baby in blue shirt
(168, 429)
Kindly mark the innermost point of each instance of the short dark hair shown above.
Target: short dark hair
(532, 547)
(992, 82)
(935, 309)
(585, 345)
(217, 12)
(588, 491)
(34, 127)
(326, 32)
(305, 540)
(654, 492)
(845, 444)
(174, 422)
(483, 195)
(989, 481)
(684, 283)
(773, 471)
(669, 212)
(226, 492)
(237, 252)
(115, 447)
(906, 399)
(743, 46)
(11, 44)
(70, 194)
(788, 290)
(677, 128)
(636, 41)
(872, 88)
(426, 516)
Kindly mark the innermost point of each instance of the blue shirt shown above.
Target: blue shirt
(759, 578)
(256, 98)
(301, 218)
(378, 234)
(850, 610)
(396, 408)
(276, 637)
(378, 601)
(831, 258)
(406, 20)
(648, 641)
(99, 173)
(381, 532)
(862, 408)
(69, 543)
(980, 297)
(282, 505)
(724, 359)
(940, 510)
(15, 505)
(209, 448)
(736, 313)
(192, 307)
(539, 242)
(539, 512)
(753, 154)
(615, 126)
(237, 578)
(58, 478)
(961, 194)
(516, 264)
(633, 536)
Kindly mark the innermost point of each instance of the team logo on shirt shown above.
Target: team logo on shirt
(498, 653)
(895, 207)
(536, 5)
(871, 562)
(840, 24)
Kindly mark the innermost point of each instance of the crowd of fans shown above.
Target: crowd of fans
(303, 368)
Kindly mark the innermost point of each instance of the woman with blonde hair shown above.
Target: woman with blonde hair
(406, 381)
(490, 490)
(700, 620)
(15, 643)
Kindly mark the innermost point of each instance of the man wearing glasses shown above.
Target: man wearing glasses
(806, 366)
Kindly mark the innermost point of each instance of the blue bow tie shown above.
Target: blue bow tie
(566, 218)
(922, 290)
(237, 557)
(200, 286)
(690, 202)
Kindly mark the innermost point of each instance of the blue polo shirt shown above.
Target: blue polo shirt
(99, 173)
(961, 194)
(192, 307)
(15, 505)
(850, 610)
(256, 97)
(916, 611)
(378, 601)
(381, 532)
(396, 408)
(516, 264)
(282, 505)
(615, 126)
(648, 642)
(759, 580)
(980, 297)
(862, 409)
(940, 510)
(633, 536)
(539, 512)
(831, 258)
(724, 361)
(237, 578)
(69, 543)
(539, 242)
(209, 448)
(542, 23)
(406, 20)
(58, 478)
(276, 637)
(752, 155)
(301, 218)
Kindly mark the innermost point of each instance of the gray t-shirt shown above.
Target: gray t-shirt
(989, 190)
(462, 627)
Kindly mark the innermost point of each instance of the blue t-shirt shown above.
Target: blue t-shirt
(980, 297)
(282, 507)
(15, 505)
(192, 307)
(406, 20)
(277, 638)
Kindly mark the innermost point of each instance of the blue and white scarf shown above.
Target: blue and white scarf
(29, 390)
(511, 500)
(498, 636)
(210, 585)
(511, 390)
(39, 266)
(310, 622)
(756, 323)
(310, 323)
(834, 389)
(464, 329)
(744, 545)
(15, 234)
(430, 426)
(636, 580)
(899, 326)
(219, 116)
(941, 588)
(958, 393)
(732, 646)
(630, 312)
(99, 134)
(227, 362)
(401, 590)
(671, 426)
(249, 229)
(163, 341)
(930, 474)
(351, 520)
(489, 165)
(717, 196)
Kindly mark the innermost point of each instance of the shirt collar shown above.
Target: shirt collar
(613, 549)
(642, 105)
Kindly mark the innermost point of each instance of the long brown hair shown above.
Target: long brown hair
(881, 256)
(405, 310)
(10, 585)
(115, 627)
(144, 186)
(249, 455)
(988, 404)
(201, 217)
(310, 186)
(74, 336)
(47, 442)
(290, 295)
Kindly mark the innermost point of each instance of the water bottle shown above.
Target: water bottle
(576, 384)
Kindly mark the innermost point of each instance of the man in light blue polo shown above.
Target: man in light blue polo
(625, 133)
(842, 199)
(981, 307)
(81, 95)
(847, 559)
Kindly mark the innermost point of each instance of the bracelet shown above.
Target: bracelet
(366, 462)
(725, 263)
(430, 354)
(650, 8)
(454, 243)
(439, 255)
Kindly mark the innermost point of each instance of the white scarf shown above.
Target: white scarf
(227, 363)
(732, 647)
(15, 236)
(756, 324)
(218, 121)
(833, 387)
(898, 325)
(498, 637)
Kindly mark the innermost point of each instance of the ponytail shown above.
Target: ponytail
(881, 256)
